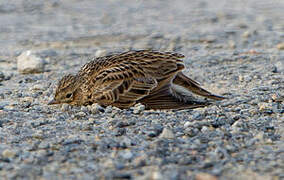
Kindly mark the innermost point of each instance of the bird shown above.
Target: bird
(152, 78)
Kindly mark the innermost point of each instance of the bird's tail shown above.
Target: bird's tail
(164, 98)
(193, 86)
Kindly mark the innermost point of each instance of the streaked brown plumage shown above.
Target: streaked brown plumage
(152, 78)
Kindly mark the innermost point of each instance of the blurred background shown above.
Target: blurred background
(126, 24)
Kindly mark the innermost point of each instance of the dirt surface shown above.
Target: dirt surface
(232, 47)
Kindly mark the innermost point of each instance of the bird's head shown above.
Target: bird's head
(66, 90)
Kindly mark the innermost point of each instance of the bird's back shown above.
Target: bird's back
(129, 76)
(148, 62)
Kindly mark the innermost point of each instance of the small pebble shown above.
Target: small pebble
(204, 129)
(84, 109)
(232, 44)
(246, 34)
(108, 109)
(156, 175)
(257, 44)
(91, 120)
(7, 153)
(279, 65)
(95, 108)
(236, 126)
(167, 134)
(138, 108)
(188, 124)
(274, 97)
(81, 114)
(264, 106)
(28, 62)
(127, 154)
(280, 46)
(37, 87)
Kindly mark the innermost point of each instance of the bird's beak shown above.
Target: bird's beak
(53, 101)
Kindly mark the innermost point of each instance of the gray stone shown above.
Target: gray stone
(95, 108)
(138, 108)
(126, 154)
(108, 109)
(279, 65)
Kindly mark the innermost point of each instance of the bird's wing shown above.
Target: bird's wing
(193, 86)
(131, 76)
(123, 93)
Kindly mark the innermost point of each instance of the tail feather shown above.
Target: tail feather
(164, 99)
(193, 86)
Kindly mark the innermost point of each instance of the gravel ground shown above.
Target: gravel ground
(233, 48)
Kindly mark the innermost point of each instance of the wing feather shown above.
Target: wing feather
(164, 98)
(128, 77)
(193, 86)
(124, 91)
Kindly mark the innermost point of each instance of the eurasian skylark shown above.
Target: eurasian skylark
(152, 78)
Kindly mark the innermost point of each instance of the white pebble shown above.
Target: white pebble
(108, 109)
(29, 62)
(7, 153)
(204, 129)
(264, 106)
(84, 109)
(80, 114)
(95, 108)
(280, 46)
(91, 120)
(246, 34)
(232, 44)
(157, 175)
(188, 124)
(167, 133)
(37, 87)
(138, 108)
(280, 66)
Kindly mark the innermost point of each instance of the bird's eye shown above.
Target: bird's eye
(68, 95)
